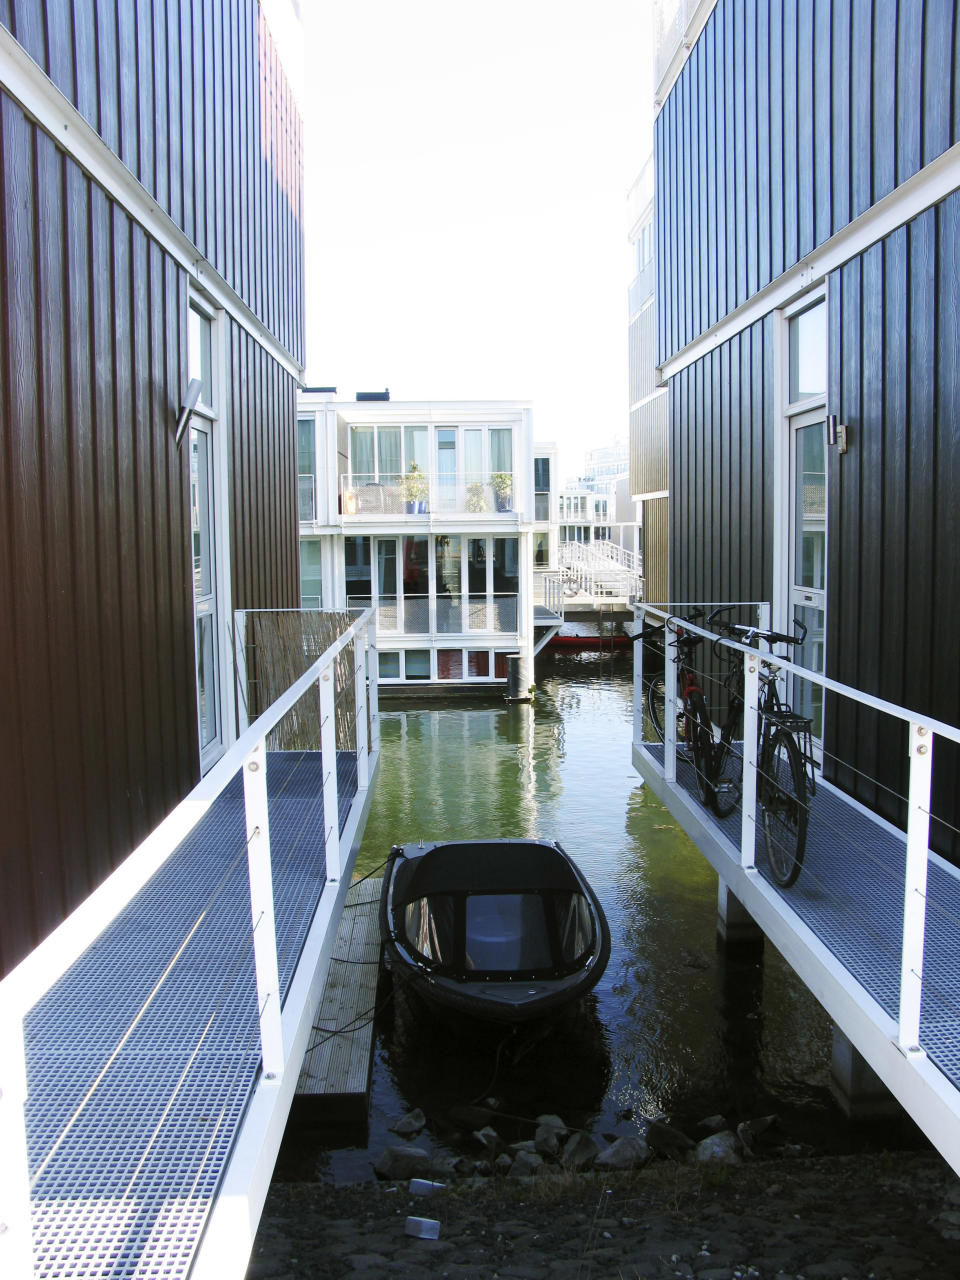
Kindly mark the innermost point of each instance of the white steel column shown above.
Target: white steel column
(748, 800)
(261, 910)
(915, 886)
(328, 746)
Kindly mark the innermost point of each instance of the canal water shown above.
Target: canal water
(677, 1029)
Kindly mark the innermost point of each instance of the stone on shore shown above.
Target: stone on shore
(719, 1148)
(630, 1152)
(580, 1152)
(410, 1124)
(398, 1163)
(667, 1141)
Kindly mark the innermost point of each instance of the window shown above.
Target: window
(356, 563)
(205, 546)
(389, 664)
(541, 549)
(808, 353)
(417, 663)
(478, 663)
(541, 475)
(311, 574)
(449, 664)
(501, 449)
(306, 469)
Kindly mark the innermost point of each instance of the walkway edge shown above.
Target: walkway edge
(224, 1250)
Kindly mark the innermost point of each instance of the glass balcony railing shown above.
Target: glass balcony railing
(454, 493)
(307, 498)
(443, 615)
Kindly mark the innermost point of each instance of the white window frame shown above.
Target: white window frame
(213, 418)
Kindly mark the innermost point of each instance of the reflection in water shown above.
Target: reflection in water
(679, 1030)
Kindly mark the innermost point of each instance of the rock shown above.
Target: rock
(547, 1141)
(410, 1124)
(553, 1122)
(751, 1130)
(630, 1152)
(527, 1164)
(668, 1141)
(449, 1166)
(503, 1163)
(714, 1124)
(398, 1163)
(528, 1145)
(580, 1152)
(719, 1148)
(490, 1140)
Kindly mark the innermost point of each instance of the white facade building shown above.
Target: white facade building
(431, 512)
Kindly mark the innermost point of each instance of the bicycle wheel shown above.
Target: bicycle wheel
(699, 735)
(656, 697)
(783, 807)
(727, 778)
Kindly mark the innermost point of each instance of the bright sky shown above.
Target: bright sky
(466, 171)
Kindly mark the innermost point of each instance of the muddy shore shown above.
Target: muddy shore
(886, 1216)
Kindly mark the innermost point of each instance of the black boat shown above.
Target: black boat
(499, 930)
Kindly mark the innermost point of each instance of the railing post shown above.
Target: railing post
(915, 886)
(16, 1238)
(328, 746)
(360, 710)
(261, 910)
(373, 686)
(751, 701)
(669, 709)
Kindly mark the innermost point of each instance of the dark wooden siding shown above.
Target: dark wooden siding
(191, 96)
(656, 550)
(97, 675)
(97, 681)
(802, 114)
(264, 533)
(721, 466)
(893, 517)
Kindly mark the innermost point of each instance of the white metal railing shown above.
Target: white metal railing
(443, 616)
(597, 569)
(831, 702)
(430, 493)
(548, 590)
(29, 982)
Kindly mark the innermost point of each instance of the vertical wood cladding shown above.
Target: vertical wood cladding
(191, 96)
(264, 532)
(789, 119)
(893, 520)
(97, 684)
(97, 678)
(721, 463)
(656, 550)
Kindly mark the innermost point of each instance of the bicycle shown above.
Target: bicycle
(693, 723)
(783, 747)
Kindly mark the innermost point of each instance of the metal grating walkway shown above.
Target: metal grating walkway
(142, 1058)
(850, 894)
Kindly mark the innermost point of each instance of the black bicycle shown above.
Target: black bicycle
(784, 748)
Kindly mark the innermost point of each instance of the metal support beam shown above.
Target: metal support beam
(261, 910)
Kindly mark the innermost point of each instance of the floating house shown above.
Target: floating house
(439, 515)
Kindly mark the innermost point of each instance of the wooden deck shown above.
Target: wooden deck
(334, 1080)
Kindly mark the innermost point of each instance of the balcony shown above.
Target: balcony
(428, 494)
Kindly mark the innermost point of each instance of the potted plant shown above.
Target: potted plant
(415, 489)
(476, 498)
(502, 482)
